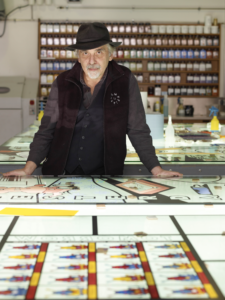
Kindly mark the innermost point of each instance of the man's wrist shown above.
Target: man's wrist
(29, 167)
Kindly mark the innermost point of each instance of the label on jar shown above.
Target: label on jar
(127, 53)
(170, 66)
(152, 78)
(76, 27)
(145, 41)
(141, 28)
(150, 66)
(56, 53)
(196, 78)
(158, 53)
(189, 66)
(164, 54)
(202, 67)
(133, 41)
(176, 66)
(140, 78)
(50, 66)
(170, 91)
(43, 41)
(56, 41)
(190, 91)
(62, 66)
(203, 41)
(43, 66)
(183, 90)
(128, 28)
(215, 54)
(133, 66)
(209, 42)
(62, 41)
(62, 53)
(190, 78)
(43, 91)
(209, 79)
(196, 90)
(43, 53)
(152, 53)
(202, 78)
(158, 41)
(196, 66)
(202, 91)
(171, 79)
(126, 41)
(157, 66)
(196, 54)
(43, 28)
(134, 28)
(177, 91)
(139, 41)
(215, 42)
(177, 53)
(56, 66)
(69, 41)
(177, 78)
(190, 54)
(120, 53)
(49, 53)
(164, 78)
(183, 66)
(171, 54)
(163, 66)
(50, 78)
(139, 53)
(157, 91)
(184, 54)
(146, 53)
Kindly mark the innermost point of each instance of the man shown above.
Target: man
(90, 110)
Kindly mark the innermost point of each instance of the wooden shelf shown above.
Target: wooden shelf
(169, 59)
(184, 96)
(179, 84)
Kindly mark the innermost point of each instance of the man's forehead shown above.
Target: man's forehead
(104, 47)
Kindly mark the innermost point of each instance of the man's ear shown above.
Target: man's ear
(111, 57)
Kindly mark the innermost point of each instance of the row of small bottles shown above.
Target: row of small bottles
(184, 91)
(176, 78)
(166, 54)
(56, 65)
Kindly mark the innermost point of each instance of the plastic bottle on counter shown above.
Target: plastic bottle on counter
(169, 133)
(41, 113)
(215, 122)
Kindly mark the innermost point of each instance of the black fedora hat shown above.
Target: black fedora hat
(91, 36)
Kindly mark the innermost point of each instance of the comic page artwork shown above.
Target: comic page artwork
(119, 190)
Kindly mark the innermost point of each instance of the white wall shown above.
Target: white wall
(18, 47)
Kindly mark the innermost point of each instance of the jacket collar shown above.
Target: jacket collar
(114, 72)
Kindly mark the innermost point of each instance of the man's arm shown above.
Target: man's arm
(42, 140)
(139, 132)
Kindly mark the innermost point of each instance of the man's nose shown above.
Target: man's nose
(92, 59)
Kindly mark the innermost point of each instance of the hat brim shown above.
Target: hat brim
(92, 45)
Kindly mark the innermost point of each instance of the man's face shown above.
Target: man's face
(95, 61)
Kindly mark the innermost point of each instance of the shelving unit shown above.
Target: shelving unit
(215, 62)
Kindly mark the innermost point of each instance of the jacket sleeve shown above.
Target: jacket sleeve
(137, 128)
(42, 140)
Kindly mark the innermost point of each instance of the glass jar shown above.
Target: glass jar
(196, 90)
(128, 27)
(209, 78)
(145, 53)
(139, 40)
(163, 66)
(215, 54)
(190, 54)
(133, 40)
(177, 91)
(209, 54)
(196, 78)
(49, 28)
(165, 40)
(43, 66)
(158, 40)
(152, 53)
(158, 53)
(196, 53)
(190, 41)
(177, 53)
(43, 91)
(164, 53)
(139, 66)
(56, 66)
(202, 67)
(183, 66)
(126, 53)
(202, 91)
(56, 40)
(145, 40)
(76, 28)
(196, 66)
(56, 53)
(158, 78)
(139, 53)
(62, 28)
(133, 53)
(190, 78)
(43, 78)
(43, 28)
(120, 53)
(184, 40)
(62, 53)
(209, 41)
(169, 66)
(63, 41)
(49, 78)
(202, 54)
(43, 41)
(177, 78)
(126, 40)
(164, 78)
(141, 28)
(171, 53)
(62, 66)
(121, 28)
(147, 27)
(171, 40)
(157, 90)
(69, 28)
(170, 91)
(109, 27)
(203, 41)
(151, 91)
(215, 91)
(215, 78)
(152, 40)
(189, 66)
(171, 78)
(152, 78)
(127, 64)
(183, 91)
(177, 41)
(134, 27)
(202, 78)
(140, 77)
(115, 27)
(190, 91)
(157, 66)
(69, 40)
(49, 66)
(74, 40)
(208, 91)
(49, 53)
(208, 66)
(114, 39)
(176, 66)
(215, 41)
(197, 41)
(183, 53)
(56, 28)
(69, 54)
(150, 66)
(133, 66)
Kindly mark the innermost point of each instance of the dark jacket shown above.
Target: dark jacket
(115, 105)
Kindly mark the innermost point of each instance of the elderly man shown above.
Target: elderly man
(89, 111)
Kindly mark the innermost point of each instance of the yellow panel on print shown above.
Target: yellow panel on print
(185, 247)
(91, 247)
(35, 279)
(142, 256)
(41, 257)
(196, 266)
(149, 278)
(210, 290)
(37, 212)
(92, 291)
(92, 267)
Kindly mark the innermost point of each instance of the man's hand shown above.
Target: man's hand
(159, 172)
(27, 170)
